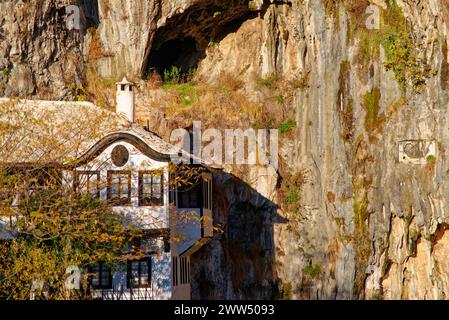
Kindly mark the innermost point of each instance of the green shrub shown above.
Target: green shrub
(78, 91)
(293, 198)
(286, 291)
(5, 72)
(360, 207)
(313, 271)
(291, 189)
(252, 5)
(399, 45)
(173, 75)
(371, 104)
(280, 99)
(187, 92)
(286, 126)
(269, 81)
(401, 59)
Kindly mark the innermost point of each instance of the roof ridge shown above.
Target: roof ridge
(21, 100)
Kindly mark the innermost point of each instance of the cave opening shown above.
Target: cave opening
(183, 41)
(182, 53)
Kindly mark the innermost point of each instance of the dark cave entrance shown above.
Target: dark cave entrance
(180, 53)
(182, 42)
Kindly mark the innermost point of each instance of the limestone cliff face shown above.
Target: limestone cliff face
(39, 55)
(372, 221)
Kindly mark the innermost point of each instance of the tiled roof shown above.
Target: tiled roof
(43, 132)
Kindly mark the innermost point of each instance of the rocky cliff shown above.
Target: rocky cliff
(359, 209)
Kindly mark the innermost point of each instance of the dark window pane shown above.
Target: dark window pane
(119, 187)
(144, 274)
(150, 189)
(139, 273)
(100, 276)
(104, 279)
(95, 275)
(190, 196)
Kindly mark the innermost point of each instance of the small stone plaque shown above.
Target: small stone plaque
(119, 156)
(416, 151)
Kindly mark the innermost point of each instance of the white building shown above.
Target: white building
(127, 166)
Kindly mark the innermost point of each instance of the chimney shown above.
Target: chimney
(125, 99)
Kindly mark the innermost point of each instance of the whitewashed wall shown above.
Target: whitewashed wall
(161, 283)
(147, 217)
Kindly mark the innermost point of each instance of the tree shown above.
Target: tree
(54, 229)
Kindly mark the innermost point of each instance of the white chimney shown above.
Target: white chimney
(125, 99)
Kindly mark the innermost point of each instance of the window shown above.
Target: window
(119, 188)
(185, 270)
(151, 188)
(207, 194)
(172, 189)
(181, 270)
(100, 276)
(175, 270)
(88, 182)
(139, 273)
(190, 197)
